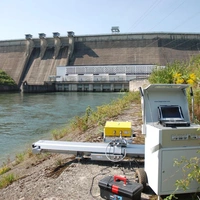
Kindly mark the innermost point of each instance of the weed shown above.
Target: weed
(60, 133)
(4, 169)
(20, 157)
(59, 162)
(7, 180)
(29, 153)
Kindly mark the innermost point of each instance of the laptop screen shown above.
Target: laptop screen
(170, 112)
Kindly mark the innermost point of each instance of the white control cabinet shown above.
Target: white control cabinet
(164, 144)
(161, 150)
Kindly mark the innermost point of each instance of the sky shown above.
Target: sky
(93, 17)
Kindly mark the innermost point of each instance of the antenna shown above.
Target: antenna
(192, 98)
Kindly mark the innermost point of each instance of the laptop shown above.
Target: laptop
(171, 116)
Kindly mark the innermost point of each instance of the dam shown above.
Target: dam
(36, 64)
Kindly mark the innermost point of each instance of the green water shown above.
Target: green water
(26, 118)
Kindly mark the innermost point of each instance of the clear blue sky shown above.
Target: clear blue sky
(87, 17)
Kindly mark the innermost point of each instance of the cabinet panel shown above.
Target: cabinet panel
(171, 173)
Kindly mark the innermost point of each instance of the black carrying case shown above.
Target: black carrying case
(119, 188)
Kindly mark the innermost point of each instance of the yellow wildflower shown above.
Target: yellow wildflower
(177, 75)
(190, 81)
(192, 76)
(180, 81)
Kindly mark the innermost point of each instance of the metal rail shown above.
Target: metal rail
(96, 151)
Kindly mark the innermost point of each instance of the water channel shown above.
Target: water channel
(26, 118)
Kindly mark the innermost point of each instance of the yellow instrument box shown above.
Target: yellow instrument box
(115, 129)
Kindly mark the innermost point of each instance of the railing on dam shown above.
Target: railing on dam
(114, 73)
(108, 69)
(101, 78)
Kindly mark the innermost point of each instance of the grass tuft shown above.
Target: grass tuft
(4, 169)
(7, 180)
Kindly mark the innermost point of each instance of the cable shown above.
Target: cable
(101, 173)
(179, 44)
(175, 29)
(168, 14)
(146, 13)
(115, 144)
(114, 43)
(142, 17)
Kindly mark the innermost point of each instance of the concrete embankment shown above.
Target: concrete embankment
(7, 88)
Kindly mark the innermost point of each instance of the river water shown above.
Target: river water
(26, 118)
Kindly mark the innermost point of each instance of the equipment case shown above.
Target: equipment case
(116, 129)
(119, 188)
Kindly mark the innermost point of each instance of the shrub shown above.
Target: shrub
(5, 79)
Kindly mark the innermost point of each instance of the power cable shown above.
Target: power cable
(110, 144)
(168, 14)
(197, 45)
(189, 18)
(101, 173)
(142, 17)
(165, 18)
(174, 29)
(155, 3)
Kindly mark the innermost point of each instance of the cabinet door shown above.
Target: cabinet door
(171, 173)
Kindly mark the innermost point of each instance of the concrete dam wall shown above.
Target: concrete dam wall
(40, 69)
(34, 61)
(13, 58)
(158, 49)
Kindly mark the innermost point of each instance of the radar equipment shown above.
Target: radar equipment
(163, 143)
(116, 145)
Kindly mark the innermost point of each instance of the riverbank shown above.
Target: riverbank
(60, 176)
